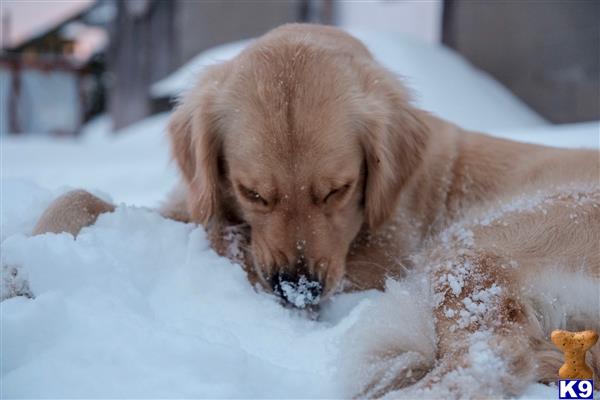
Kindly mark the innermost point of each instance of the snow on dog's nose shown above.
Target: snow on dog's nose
(298, 290)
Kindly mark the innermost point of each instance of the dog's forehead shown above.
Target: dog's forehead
(300, 154)
(290, 140)
(265, 160)
(275, 132)
(290, 112)
(290, 92)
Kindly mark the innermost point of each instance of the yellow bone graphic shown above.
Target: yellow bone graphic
(574, 345)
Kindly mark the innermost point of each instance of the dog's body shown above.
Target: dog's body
(466, 173)
(315, 150)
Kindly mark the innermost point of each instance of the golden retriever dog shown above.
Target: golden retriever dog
(312, 154)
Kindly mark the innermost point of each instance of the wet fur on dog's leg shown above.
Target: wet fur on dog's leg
(77, 209)
(483, 342)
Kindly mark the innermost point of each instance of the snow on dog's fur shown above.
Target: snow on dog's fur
(492, 317)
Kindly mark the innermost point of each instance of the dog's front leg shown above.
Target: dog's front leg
(71, 212)
(483, 347)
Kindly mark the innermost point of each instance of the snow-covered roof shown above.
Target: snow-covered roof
(29, 19)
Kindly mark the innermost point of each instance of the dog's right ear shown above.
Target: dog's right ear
(393, 137)
(196, 146)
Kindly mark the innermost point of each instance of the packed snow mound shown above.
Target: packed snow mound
(442, 81)
(140, 306)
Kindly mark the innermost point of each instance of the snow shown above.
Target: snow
(140, 306)
(577, 135)
(133, 165)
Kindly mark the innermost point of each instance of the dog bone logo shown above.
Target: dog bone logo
(574, 345)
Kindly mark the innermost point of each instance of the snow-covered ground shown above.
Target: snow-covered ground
(140, 306)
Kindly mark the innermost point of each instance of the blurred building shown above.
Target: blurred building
(51, 72)
(93, 56)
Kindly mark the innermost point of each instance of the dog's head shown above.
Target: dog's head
(304, 144)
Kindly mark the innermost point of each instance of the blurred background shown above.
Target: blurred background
(86, 86)
(66, 63)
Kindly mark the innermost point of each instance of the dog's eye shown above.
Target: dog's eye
(252, 196)
(335, 192)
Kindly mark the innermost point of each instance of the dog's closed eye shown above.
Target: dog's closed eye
(335, 193)
(252, 196)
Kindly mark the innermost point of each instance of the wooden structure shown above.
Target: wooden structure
(151, 38)
(44, 88)
(41, 96)
(546, 52)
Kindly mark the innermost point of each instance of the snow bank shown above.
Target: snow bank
(577, 135)
(140, 306)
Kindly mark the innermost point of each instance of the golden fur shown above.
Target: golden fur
(315, 153)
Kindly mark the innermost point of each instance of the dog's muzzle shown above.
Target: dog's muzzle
(298, 290)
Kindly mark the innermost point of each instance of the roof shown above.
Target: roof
(31, 20)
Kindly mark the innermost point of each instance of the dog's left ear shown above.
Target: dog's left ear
(394, 137)
(196, 146)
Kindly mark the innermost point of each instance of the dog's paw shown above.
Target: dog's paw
(14, 283)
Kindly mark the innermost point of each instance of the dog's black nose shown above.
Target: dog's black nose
(299, 290)
(277, 278)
